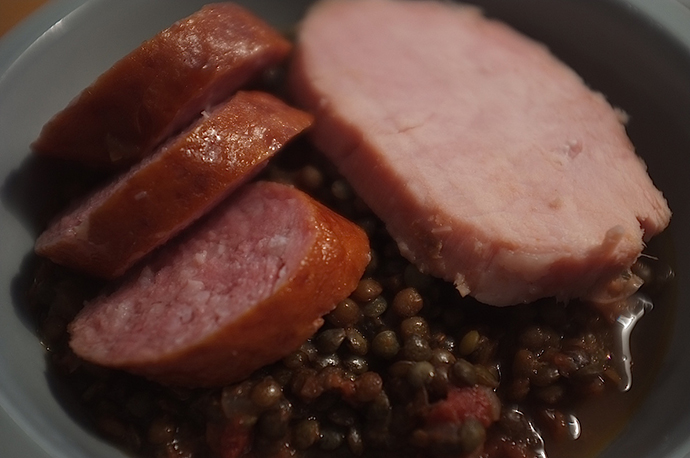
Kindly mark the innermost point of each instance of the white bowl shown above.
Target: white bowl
(636, 52)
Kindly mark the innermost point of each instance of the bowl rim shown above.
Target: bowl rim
(21, 438)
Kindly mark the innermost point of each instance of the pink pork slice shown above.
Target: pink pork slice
(161, 86)
(492, 164)
(241, 289)
(157, 198)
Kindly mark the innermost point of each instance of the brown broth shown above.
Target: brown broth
(605, 417)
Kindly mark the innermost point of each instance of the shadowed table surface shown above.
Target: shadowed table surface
(13, 11)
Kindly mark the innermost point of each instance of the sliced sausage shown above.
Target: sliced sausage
(491, 163)
(163, 85)
(163, 194)
(241, 289)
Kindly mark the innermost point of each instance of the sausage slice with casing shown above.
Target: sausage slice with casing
(241, 289)
(167, 191)
(160, 87)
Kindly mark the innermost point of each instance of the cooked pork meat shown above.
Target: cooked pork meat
(491, 162)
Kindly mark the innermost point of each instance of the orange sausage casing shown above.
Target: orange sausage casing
(243, 288)
(160, 87)
(160, 196)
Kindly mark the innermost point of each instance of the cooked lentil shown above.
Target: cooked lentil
(266, 393)
(305, 434)
(329, 340)
(414, 326)
(464, 372)
(375, 308)
(408, 302)
(385, 344)
(346, 313)
(416, 348)
(362, 384)
(469, 343)
(472, 435)
(420, 374)
(356, 342)
(367, 289)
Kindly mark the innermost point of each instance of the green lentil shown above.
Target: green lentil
(472, 435)
(331, 439)
(385, 344)
(356, 342)
(375, 308)
(266, 393)
(407, 302)
(464, 372)
(485, 377)
(416, 348)
(421, 373)
(310, 177)
(329, 340)
(354, 441)
(414, 325)
(305, 434)
(274, 424)
(469, 343)
(442, 357)
(341, 190)
(367, 290)
(346, 313)
(295, 360)
(356, 364)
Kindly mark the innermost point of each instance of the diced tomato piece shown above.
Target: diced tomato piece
(476, 402)
(235, 441)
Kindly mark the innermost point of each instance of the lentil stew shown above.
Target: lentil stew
(372, 381)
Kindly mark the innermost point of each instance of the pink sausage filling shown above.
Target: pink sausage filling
(239, 257)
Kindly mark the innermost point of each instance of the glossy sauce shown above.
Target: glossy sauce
(647, 332)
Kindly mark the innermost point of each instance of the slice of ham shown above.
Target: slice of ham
(241, 289)
(167, 191)
(160, 87)
(491, 163)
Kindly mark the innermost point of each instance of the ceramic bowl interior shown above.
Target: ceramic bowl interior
(640, 67)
